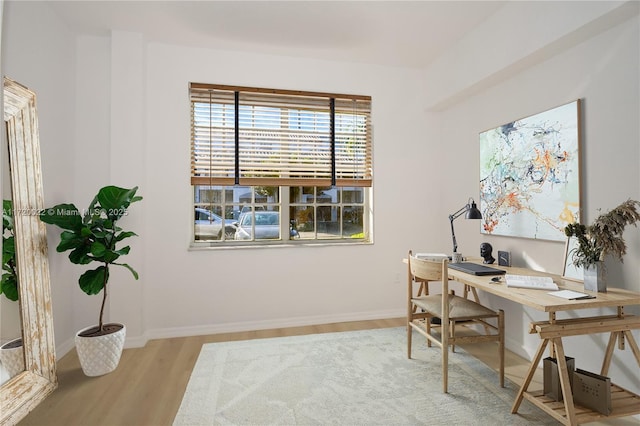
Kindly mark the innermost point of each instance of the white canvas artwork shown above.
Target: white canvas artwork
(530, 176)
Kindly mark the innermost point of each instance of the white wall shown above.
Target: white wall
(183, 292)
(256, 288)
(604, 71)
(519, 35)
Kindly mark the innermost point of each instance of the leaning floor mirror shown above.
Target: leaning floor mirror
(21, 393)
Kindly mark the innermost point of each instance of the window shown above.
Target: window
(279, 165)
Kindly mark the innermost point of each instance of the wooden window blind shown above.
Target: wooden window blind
(252, 136)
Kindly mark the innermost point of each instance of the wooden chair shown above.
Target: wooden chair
(450, 310)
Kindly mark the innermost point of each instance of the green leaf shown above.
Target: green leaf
(116, 200)
(121, 236)
(99, 232)
(92, 281)
(92, 213)
(8, 249)
(98, 249)
(80, 256)
(133, 271)
(109, 256)
(7, 215)
(9, 286)
(70, 240)
(7, 207)
(65, 216)
(123, 251)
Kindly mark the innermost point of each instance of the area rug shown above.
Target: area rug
(347, 378)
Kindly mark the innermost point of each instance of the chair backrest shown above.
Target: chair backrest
(427, 270)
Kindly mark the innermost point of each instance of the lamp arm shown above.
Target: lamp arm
(453, 217)
(472, 213)
(459, 212)
(453, 234)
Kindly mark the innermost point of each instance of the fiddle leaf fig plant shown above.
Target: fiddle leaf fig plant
(604, 236)
(93, 236)
(9, 281)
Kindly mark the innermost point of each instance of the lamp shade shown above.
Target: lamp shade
(473, 212)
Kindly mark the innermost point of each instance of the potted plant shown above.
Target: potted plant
(11, 352)
(93, 236)
(603, 237)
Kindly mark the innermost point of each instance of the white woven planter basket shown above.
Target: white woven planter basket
(12, 359)
(100, 355)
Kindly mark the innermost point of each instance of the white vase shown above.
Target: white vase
(100, 354)
(12, 357)
(595, 278)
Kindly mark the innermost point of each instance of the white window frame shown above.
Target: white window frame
(349, 160)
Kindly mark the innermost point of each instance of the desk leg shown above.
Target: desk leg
(529, 376)
(633, 344)
(608, 354)
(475, 294)
(565, 384)
(552, 349)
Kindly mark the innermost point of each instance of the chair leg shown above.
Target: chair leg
(452, 327)
(445, 366)
(427, 325)
(501, 345)
(409, 336)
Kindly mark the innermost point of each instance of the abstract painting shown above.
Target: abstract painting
(530, 175)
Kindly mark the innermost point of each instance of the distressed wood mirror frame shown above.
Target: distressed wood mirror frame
(22, 393)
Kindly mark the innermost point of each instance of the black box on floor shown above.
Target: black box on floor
(551, 377)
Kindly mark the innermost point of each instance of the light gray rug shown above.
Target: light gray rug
(349, 378)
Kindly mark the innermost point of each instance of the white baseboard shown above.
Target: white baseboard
(165, 333)
(65, 347)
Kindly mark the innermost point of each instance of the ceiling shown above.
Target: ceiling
(392, 33)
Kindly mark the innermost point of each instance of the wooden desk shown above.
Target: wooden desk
(551, 331)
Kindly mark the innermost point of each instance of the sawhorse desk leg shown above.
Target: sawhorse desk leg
(564, 379)
(620, 337)
(618, 327)
(529, 376)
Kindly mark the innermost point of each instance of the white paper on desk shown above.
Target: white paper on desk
(568, 294)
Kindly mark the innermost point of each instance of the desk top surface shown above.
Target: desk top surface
(541, 299)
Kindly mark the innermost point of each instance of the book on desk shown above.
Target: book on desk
(531, 282)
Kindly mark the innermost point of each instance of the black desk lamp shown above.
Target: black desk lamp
(471, 212)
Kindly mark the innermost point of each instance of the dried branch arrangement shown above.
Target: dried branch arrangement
(604, 236)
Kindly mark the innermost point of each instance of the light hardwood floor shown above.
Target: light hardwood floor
(147, 386)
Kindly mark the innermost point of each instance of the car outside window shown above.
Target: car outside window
(306, 214)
